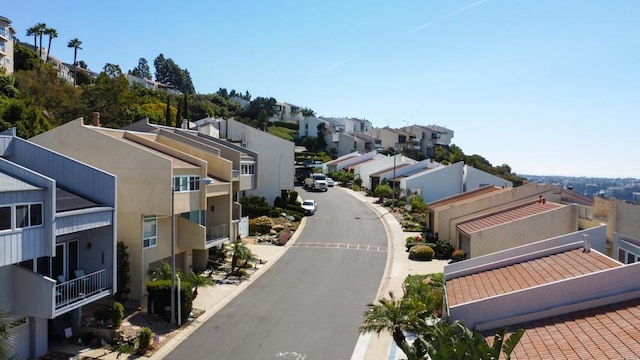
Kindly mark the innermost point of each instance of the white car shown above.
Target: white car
(309, 206)
(330, 182)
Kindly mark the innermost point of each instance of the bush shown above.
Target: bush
(279, 202)
(260, 225)
(421, 252)
(144, 339)
(293, 197)
(116, 314)
(284, 237)
(160, 297)
(458, 255)
(443, 249)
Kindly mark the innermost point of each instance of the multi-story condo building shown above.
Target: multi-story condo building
(7, 36)
(57, 241)
(175, 201)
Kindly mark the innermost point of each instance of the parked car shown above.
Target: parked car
(316, 182)
(309, 206)
(330, 182)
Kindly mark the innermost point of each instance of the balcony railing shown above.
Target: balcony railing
(82, 288)
(217, 233)
(235, 174)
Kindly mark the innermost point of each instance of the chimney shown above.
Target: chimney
(96, 118)
(185, 124)
(586, 247)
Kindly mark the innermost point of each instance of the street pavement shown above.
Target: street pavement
(369, 346)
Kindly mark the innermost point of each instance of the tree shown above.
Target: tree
(6, 336)
(40, 28)
(169, 73)
(396, 316)
(52, 33)
(124, 276)
(321, 141)
(262, 120)
(257, 105)
(142, 70)
(185, 108)
(24, 58)
(167, 112)
(33, 31)
(306, 112)
(75, 44)
(238, 251)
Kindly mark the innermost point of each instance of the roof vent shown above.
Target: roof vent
(586, 247)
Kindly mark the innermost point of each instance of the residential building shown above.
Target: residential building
(380, 164)
(390, 138)
(573, 301)
(447, 212)
(151, 84)
(286, 112)
(175, 202)
(626, 249)
(519, 225)
(426, 138)
(395, 173)
(7, 38)
(333, 165)
(275, 169)
(58, 230)
(443, 181)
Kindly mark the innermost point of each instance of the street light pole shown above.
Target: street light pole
(173, 256)
(393, 203)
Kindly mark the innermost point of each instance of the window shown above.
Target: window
(150, 231)
(5, 218)
(186, 183)
(247, 169)
(28, 215)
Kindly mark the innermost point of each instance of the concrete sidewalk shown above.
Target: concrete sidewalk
(212, 299)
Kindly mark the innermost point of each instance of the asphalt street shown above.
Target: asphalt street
(310, 303)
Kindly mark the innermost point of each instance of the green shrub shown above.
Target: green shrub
(421, 252)
(160, 297)
(116, 314)
(279, 202)
(443, 249)
(417, 204)
(262, 225)
(144, 339)
(458, 255)
(293, 197)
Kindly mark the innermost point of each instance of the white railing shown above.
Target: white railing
(83, 287)
(217, 233)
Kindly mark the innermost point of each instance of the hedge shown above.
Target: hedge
(160, 297)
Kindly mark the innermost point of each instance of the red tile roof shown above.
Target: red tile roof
(506, 216)
(463, 196)
(526, 274)
(604, 332)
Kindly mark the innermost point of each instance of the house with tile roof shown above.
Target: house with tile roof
(446, 213)
(173, 200)
(58, 234)
(515, 226)
(572, 300)
(626, 248)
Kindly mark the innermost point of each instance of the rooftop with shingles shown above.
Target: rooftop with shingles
(604, 332)
(506, 216)
(526, 274)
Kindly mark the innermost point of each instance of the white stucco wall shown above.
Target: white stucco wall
(437, 183)
(276, 162)
(474, 178)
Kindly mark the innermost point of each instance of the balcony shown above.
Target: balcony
(236, 211)
(217, 234)
(40, 296)
(81, 290)
(195, 236)
(218, 189)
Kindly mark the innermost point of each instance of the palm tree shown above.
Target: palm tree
(40, 29)
(396, 316)
(239, 252)
(33, 31)
(75, 44)
(53, 33)
(6, 337)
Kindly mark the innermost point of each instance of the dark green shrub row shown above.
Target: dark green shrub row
(160, 297)
(288, 125)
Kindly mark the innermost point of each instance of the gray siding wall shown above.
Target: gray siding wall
(70, 174)
(80, 222)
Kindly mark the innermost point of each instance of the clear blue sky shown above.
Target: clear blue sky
(550, 87)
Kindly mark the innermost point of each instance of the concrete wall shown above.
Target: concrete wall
(626, 218)
(384, 162)
(549, 224)
(474, 179)
(276, 163)
(446, 218)
(436, 184)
